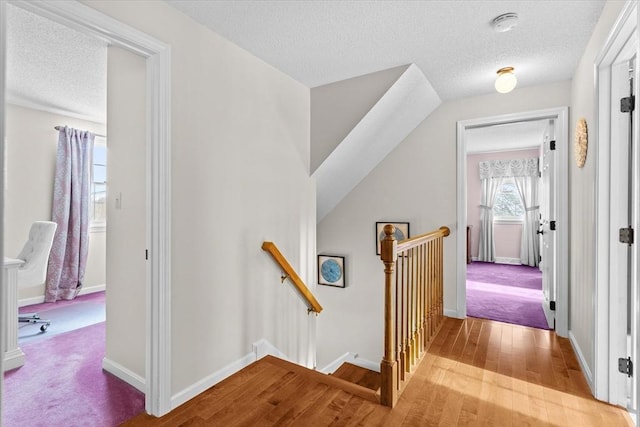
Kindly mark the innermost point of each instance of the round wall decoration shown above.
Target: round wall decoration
(580, 142)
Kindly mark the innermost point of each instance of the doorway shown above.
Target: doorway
(157, 58)
(559, 116)
(616, 321)
(504, 279)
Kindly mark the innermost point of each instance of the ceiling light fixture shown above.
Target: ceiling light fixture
(505, 22)
(506, 80)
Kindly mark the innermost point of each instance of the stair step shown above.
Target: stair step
(358, 375)
(330, 380)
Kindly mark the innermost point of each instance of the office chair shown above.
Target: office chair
(35, 255)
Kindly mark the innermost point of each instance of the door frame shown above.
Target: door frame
(158, 147)
(560, 115)
(624, 30)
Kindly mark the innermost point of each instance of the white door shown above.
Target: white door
(621, 213)
(547, 221)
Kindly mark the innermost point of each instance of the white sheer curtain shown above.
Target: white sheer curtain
(525, 174)
(487, 249)
(530, 246)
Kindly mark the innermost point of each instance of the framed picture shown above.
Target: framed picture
(402, 232)
(331, 270)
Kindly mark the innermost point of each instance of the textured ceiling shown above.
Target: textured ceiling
(318, 42)
(52, 67)
(452, 42)
(506, 137)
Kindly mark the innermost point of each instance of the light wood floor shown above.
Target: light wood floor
(477, 372)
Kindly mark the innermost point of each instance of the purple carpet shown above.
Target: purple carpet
(65, 316)
(506, 293)
(62, 384)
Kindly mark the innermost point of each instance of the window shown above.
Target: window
(508, 204)
(98, 206)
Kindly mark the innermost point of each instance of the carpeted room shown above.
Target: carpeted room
(504, 278)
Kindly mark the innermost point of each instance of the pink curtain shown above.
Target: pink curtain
(71, 198)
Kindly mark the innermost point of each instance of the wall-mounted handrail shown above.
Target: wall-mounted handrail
(290, 273)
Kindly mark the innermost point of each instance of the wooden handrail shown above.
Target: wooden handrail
(413, 305)
(290, 273)
(413, 242)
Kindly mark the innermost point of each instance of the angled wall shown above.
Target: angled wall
(408, 102)
(337, 108)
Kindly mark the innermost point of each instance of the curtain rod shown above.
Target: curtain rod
(96, 134)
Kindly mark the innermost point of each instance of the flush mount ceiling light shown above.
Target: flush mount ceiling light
(505, 22)
(506, 80)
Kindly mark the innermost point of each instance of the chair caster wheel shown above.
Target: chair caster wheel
(44, 327)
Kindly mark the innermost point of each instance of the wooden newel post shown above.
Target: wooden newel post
(388, 366)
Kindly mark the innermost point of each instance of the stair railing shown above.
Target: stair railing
(289, 273)
(413, 305)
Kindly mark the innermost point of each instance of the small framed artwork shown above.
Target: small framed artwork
(331, 270)
(402, 232)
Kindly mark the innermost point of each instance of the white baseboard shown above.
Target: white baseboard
(452, 313)
(124, 374)
(354, 360)
(261, 348)
(512, 261)
(13, 359)
(264, 348)
(583, 363)
(40, 299)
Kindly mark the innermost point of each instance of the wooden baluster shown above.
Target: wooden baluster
(410, 301)
(421, 299)
(403, 323)
(417, 306)
(398, 324)
(423, 304)
(433, 291)
(440, 318)
(388, 366)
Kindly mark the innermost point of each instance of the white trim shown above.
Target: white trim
(264, 348)
(452, 313)
(260, 349)
(624, 29)
(40, 299)
(582, 361)
(13, 359)
(124, 374)
(98, 227)
(560, 115)
(508, 220)
(352, 358)
(3, 287)
(158, 55)
(509, 261)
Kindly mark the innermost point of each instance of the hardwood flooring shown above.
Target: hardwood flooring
(476, 372)
(357, 375)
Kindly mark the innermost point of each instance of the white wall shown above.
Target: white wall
(31, 144)
(338, 107)
(582, 194)
(126, 238)
(240, 175)
(415, 183)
